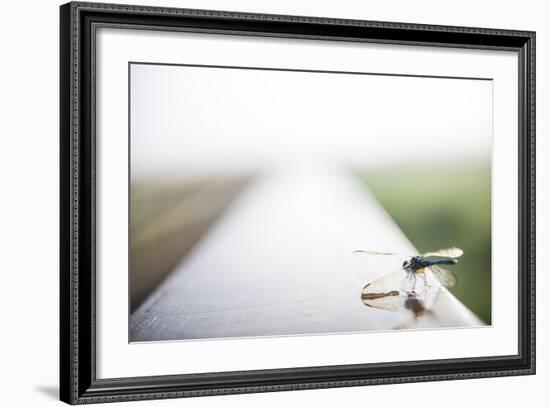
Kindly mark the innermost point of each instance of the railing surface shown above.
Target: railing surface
(279, 262)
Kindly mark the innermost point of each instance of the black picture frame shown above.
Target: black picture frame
(78, 382)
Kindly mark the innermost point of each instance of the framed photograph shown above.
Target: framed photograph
(255, 203)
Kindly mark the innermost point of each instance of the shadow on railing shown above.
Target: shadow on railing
(427, 301)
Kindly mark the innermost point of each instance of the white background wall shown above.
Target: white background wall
(29, 163)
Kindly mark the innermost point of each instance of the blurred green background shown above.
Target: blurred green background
(442, 206)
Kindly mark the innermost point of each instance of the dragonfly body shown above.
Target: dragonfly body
(418, 264)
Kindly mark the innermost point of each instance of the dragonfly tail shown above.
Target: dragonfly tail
(445, 261)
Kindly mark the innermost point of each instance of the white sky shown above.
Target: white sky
(212, 120)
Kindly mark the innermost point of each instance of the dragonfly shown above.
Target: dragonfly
(390, 285)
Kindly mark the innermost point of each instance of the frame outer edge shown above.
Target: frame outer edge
(64, 198)
(75, 155)
(533, 194)
(70, 157)
(189, 12)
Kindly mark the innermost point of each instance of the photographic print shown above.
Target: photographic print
(268, 202)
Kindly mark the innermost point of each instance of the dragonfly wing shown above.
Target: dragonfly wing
(388, 292)
(445, 277)
(371, 253)
(452, 252)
